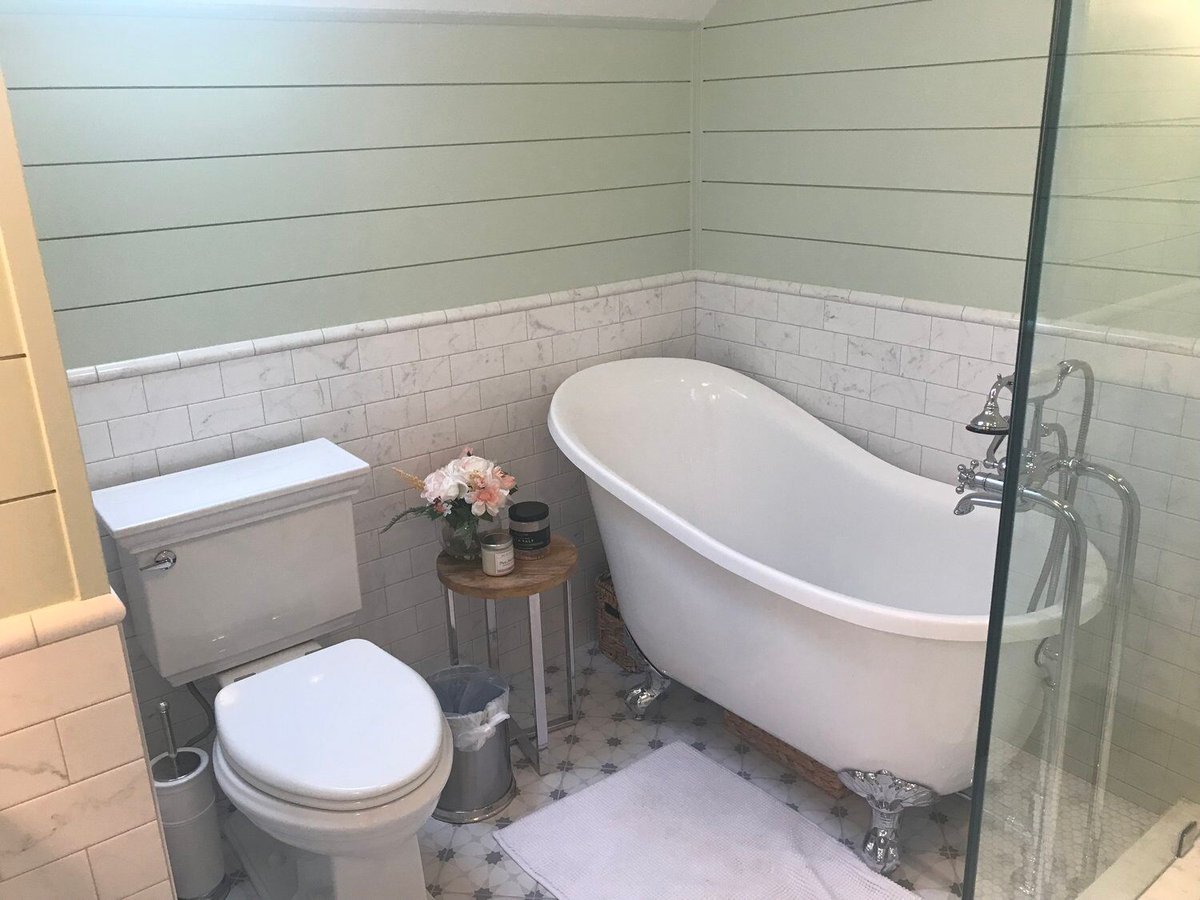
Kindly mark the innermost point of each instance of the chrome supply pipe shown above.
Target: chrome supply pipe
(1046, 588)
(1047, 583)
(1038, 862)
(1131, 523)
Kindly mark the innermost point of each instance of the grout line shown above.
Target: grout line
(153, 821)
(63, 751)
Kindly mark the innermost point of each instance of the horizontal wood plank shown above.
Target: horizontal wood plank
(936, 33)
(734, 13)
(101, 334)
(968, 280)
(92, 271)
(983, 225)
(142, 51)
(979, 161)
(1151, 162)
(71, 126)
(977, 95)
(176, 193)
(1122, 90)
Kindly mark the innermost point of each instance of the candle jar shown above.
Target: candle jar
(497, 553)
(528, 523)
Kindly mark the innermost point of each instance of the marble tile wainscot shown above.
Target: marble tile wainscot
(901, 376)
(76, 800)
(404, 392)
(897, 375)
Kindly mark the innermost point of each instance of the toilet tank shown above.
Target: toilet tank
(263, 554)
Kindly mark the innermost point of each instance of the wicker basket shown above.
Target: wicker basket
(786, 755)
(609, 627)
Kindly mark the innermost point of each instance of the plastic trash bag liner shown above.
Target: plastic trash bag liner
(475, 702)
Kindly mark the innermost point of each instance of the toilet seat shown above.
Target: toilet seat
(348, 727)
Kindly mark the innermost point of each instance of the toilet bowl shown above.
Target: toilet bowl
(338, 759)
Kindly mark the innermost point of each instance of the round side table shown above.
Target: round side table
(528, 580)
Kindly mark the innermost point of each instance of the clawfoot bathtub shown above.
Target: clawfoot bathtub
(817, 591)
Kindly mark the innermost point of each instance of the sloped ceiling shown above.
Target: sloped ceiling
(686, 10)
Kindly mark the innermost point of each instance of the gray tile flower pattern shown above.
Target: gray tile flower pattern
(464, 862)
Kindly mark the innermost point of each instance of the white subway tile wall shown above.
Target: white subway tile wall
(904, 387)
(898, 383)
(409, 398)
(897, 376)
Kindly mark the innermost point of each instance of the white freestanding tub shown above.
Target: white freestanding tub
(817, 591)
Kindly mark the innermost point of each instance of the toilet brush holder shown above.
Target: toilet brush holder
(184, 786)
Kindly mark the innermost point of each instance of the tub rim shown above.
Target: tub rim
(971, 627)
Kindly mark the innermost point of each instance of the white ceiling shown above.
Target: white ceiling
(676, 10)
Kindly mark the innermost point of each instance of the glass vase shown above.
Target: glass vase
(461, 540)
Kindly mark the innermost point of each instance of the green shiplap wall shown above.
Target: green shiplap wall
(202, 180)
(1123, 235)
(882, 146)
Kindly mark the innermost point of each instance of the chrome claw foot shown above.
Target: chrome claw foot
(638, 700)
(888, 797)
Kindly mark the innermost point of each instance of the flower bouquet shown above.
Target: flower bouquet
(458, 496)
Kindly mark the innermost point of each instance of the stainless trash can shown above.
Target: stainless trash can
(475, 702)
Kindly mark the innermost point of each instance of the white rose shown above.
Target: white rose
(443, 485)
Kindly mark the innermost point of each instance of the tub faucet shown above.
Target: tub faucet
(968, 503)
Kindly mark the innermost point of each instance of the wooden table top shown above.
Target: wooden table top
(531, 576)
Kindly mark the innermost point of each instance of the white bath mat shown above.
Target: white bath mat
(677, 826)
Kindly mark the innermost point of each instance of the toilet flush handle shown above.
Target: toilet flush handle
(163, 560)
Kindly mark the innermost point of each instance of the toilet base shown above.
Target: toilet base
(282, 872)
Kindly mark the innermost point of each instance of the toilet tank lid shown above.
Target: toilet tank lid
(139, 506)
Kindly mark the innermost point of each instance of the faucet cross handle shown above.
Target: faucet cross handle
(966, 476)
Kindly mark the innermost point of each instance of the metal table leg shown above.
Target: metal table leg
(493, 633)
(538, 659)
(516, 732)
(532, 742)
(569, 628)
(451, 628)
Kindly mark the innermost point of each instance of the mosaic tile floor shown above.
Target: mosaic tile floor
(1013, 780)
(464, 861)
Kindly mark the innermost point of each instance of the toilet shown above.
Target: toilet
(333, 757)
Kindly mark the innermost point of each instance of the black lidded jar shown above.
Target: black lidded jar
(529, 525)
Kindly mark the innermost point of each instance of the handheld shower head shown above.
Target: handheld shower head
(990, 420)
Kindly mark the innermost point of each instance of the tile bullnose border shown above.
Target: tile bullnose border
(976, 315)
(1102, 334)
(17, 634)
(51, 624)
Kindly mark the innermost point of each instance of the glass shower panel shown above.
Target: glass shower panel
(1093, 758)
